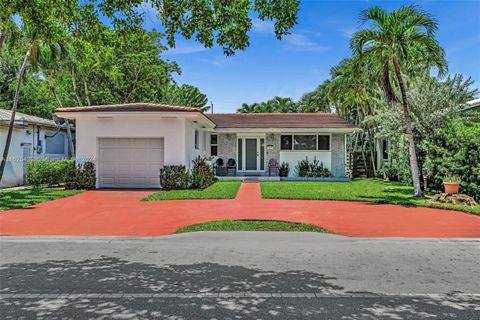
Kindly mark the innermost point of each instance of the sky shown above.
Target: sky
(302, 60)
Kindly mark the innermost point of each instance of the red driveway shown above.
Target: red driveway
(120, 213)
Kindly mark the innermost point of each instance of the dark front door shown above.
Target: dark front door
(251, 154)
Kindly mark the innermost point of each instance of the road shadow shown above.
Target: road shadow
(109, 275)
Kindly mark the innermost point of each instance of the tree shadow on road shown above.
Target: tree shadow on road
(111, 276)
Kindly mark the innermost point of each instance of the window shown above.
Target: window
(305, 142)
(324, 143)
(286, 143)
(240, 154)
(213, 145)
(55, 144)
(385, 149)
(196, 139)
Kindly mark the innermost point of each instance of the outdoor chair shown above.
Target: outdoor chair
(220, 170)
(231, 167)
(272, 165)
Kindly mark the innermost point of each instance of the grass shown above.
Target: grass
(371, 190)
(22, 198)
(251, 225)
(218, 190)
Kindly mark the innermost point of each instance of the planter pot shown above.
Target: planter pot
(451, 187)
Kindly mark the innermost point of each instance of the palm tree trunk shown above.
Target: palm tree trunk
(21, 74)
(409, 132)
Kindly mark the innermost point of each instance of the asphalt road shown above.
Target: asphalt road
(239, 276)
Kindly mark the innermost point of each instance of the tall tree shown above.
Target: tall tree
(401, 38)
(35, 35)
(316, 100)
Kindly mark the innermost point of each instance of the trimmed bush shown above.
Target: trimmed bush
(305, 168)
(284, 169)
(81, 177)
(48, 172)
(202, 173)
(174, 177)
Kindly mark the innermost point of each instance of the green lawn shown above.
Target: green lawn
(371, 190)
(218, 190)
(15, 199)
(251, 225)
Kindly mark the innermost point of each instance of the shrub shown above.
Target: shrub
(48, 172)
(202, 173)
(305, 168)
(391, 172)
(284, 169)
(81, 177)
(455, 151)
(174, 177)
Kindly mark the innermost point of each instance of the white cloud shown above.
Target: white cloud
(300, 42)
(260, 26)
(185, 48)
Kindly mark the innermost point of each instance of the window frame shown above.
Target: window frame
(197, 140)
(213, 144)
(292, 135)
(50, 138)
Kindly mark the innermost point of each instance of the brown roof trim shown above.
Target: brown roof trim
(127, 107)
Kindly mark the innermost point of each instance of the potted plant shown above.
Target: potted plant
(451, 184)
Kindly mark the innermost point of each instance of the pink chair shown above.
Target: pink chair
(272, 165)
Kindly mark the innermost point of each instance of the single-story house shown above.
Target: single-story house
(32, 138)
(129, 143)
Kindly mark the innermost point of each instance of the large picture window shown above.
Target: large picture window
(305, 142)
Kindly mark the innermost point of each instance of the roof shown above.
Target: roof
(279, 120)
(24, 119)
(472, 104)
(141, 107)
(230, 120)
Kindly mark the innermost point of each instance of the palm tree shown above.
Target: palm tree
(246, 108)
(402, 37)
(315, 101)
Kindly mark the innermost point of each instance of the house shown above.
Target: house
(471, 105)
(32, 138)
(129, 143)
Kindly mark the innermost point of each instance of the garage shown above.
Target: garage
(130, 162)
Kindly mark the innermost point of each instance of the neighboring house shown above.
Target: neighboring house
(129, 143)
(32, 138)
(471, 105)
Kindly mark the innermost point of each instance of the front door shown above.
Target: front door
(251, 154)
(27, 156)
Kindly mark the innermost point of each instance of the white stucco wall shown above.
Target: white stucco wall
(190, 152)
(293, 157)
(13, 174)
(89, 129)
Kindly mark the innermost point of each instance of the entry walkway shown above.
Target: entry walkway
(121, 213)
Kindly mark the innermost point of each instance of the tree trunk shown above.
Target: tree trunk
(86, 93)
(21, 73)
(74, 84)
(67, 124)
(3, 36)
(409, 132)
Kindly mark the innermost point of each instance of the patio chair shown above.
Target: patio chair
(231, 167)
(273, 165)
(220, 170)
